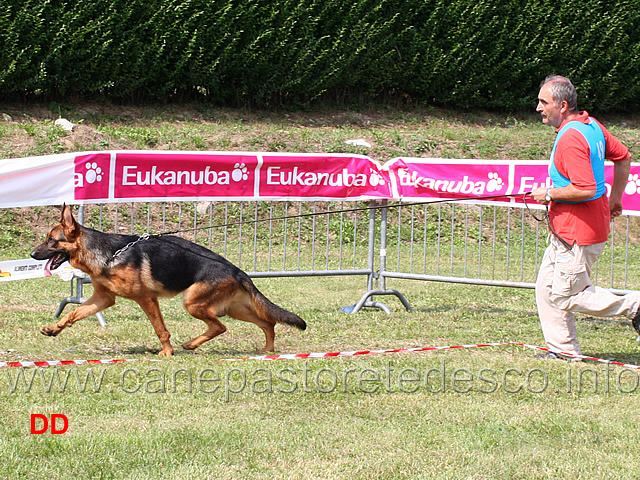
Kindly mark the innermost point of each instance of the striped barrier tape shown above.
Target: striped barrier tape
(298, 356)
(55, 363)
(302, 356)
(580, 357)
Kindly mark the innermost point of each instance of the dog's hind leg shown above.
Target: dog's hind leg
(203, 301)
(152, 309)
(99, 301)
(242, 308)
(214, 329)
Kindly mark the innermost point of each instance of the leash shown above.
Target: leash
(346, 210)
(545, 217)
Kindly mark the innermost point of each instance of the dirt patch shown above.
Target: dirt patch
(82, 137)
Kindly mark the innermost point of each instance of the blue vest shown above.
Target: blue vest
(595, 138)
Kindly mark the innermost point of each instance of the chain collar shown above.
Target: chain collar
(141, 238)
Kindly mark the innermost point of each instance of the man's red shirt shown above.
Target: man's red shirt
(586, 223)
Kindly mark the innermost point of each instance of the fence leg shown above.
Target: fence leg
(365, 300)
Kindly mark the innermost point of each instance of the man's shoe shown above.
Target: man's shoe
(556, 356)
(549, 356)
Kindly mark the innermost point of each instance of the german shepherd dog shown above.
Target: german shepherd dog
(146, 268)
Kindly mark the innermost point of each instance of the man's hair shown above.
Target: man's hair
(562, 90)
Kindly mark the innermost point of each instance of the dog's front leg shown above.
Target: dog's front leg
(152, 309)
(100, 300)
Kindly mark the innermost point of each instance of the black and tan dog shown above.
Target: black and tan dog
(144, 269)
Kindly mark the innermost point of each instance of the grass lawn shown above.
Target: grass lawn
(493, 412)
(473, 413)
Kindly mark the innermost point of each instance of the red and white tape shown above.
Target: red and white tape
(302, 356)
(579, 357)
(55, 363)
(297, 356)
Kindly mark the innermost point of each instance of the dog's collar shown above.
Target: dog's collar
(141, 238)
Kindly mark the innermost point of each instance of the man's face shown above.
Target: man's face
(552, 113)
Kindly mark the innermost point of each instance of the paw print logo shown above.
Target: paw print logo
(239, 172)
(94, 173)
(495, 182)
(633, 185)
(375, 179)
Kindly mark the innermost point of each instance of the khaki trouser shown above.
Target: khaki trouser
(564, 287)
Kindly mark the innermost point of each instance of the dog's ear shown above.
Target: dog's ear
(69, 224)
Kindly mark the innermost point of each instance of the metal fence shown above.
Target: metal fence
(446, 242)
(491, 245)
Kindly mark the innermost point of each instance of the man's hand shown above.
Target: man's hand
(615, 207)
(539, 195)
(621, 171)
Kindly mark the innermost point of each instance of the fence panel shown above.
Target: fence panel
(266, 239)
(475, 244)
(492, 245)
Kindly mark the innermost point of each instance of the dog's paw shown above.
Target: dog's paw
(166, 352)
(49, 331)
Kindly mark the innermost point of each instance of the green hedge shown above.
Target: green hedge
(463, 54)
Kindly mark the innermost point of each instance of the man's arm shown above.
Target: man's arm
(620, 178)
(567, 194)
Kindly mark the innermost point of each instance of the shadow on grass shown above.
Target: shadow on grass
(470, 308)
(606, 321)
(180, 352)
(620, 357)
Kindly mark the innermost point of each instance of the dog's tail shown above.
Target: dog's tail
(268, 310)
